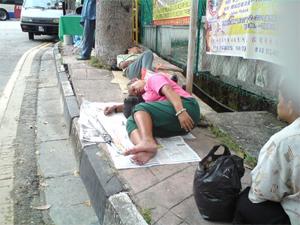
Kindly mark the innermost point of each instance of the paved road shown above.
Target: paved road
(39, 181)
(13, 44)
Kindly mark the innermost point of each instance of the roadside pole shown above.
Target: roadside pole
(191, 46)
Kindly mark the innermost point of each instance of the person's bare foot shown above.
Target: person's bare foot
(142, 158)
(143, 151)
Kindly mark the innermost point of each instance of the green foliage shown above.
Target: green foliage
(227, 140)
(98, 63)
(147, 214)
(249, 160)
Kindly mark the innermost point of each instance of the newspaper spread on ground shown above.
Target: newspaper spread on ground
(95, 127)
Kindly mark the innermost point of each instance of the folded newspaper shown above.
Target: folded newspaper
(95, 127)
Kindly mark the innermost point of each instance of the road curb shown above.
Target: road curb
(71, 108)
(106, 191)
(99, 178)
(119, 207)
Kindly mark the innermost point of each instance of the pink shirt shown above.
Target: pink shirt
(154, 85)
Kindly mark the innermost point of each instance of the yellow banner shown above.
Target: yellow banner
(171, 12)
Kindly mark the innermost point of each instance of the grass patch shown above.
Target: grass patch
(249, 160)
(98, 63)
(147, 214)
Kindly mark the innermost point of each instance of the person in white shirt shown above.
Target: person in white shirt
(274, 195)
(135, 63)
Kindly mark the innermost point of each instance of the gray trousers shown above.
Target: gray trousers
(143, 62)
(88, 38)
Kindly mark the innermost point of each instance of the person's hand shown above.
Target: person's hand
(125, 64)
(186, 122)
(109, 110)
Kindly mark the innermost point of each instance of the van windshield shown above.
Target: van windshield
(43, 4)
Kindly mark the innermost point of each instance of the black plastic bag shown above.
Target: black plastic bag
(217, 184)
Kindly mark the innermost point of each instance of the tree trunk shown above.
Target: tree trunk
(113, 29)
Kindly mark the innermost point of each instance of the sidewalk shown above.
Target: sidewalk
(162, 193)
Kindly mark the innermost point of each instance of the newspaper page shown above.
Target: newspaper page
(172, 150)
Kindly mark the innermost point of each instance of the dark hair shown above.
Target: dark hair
(290, 91)
(129, 103)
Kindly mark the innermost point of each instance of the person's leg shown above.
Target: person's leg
(88, 39)
(259, 213)
(135, 137)
(155, 119)
(145, 146)
(165, 122)
(147, 62)
(85, 37)
(142, 63)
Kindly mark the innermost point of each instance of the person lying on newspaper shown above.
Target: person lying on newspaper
(168, 111)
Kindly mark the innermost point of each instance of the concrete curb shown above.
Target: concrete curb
(119, 207)
(71, 108)
(100, 180)
(106, 191)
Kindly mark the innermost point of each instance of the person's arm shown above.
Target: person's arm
(123, 65)
(161, 66)
(115, 108)
(184, 118)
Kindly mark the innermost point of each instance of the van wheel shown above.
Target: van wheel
(30, 35)
(3, 15)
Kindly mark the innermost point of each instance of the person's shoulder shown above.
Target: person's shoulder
(160, 76)
(157, 79)
(289, 135)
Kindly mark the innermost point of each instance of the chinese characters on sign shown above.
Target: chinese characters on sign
(244, 28)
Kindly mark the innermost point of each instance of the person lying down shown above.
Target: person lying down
(168, 111)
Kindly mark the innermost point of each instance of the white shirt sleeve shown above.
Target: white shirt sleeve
(270, 176)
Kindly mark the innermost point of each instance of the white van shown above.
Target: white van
(41, 17)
